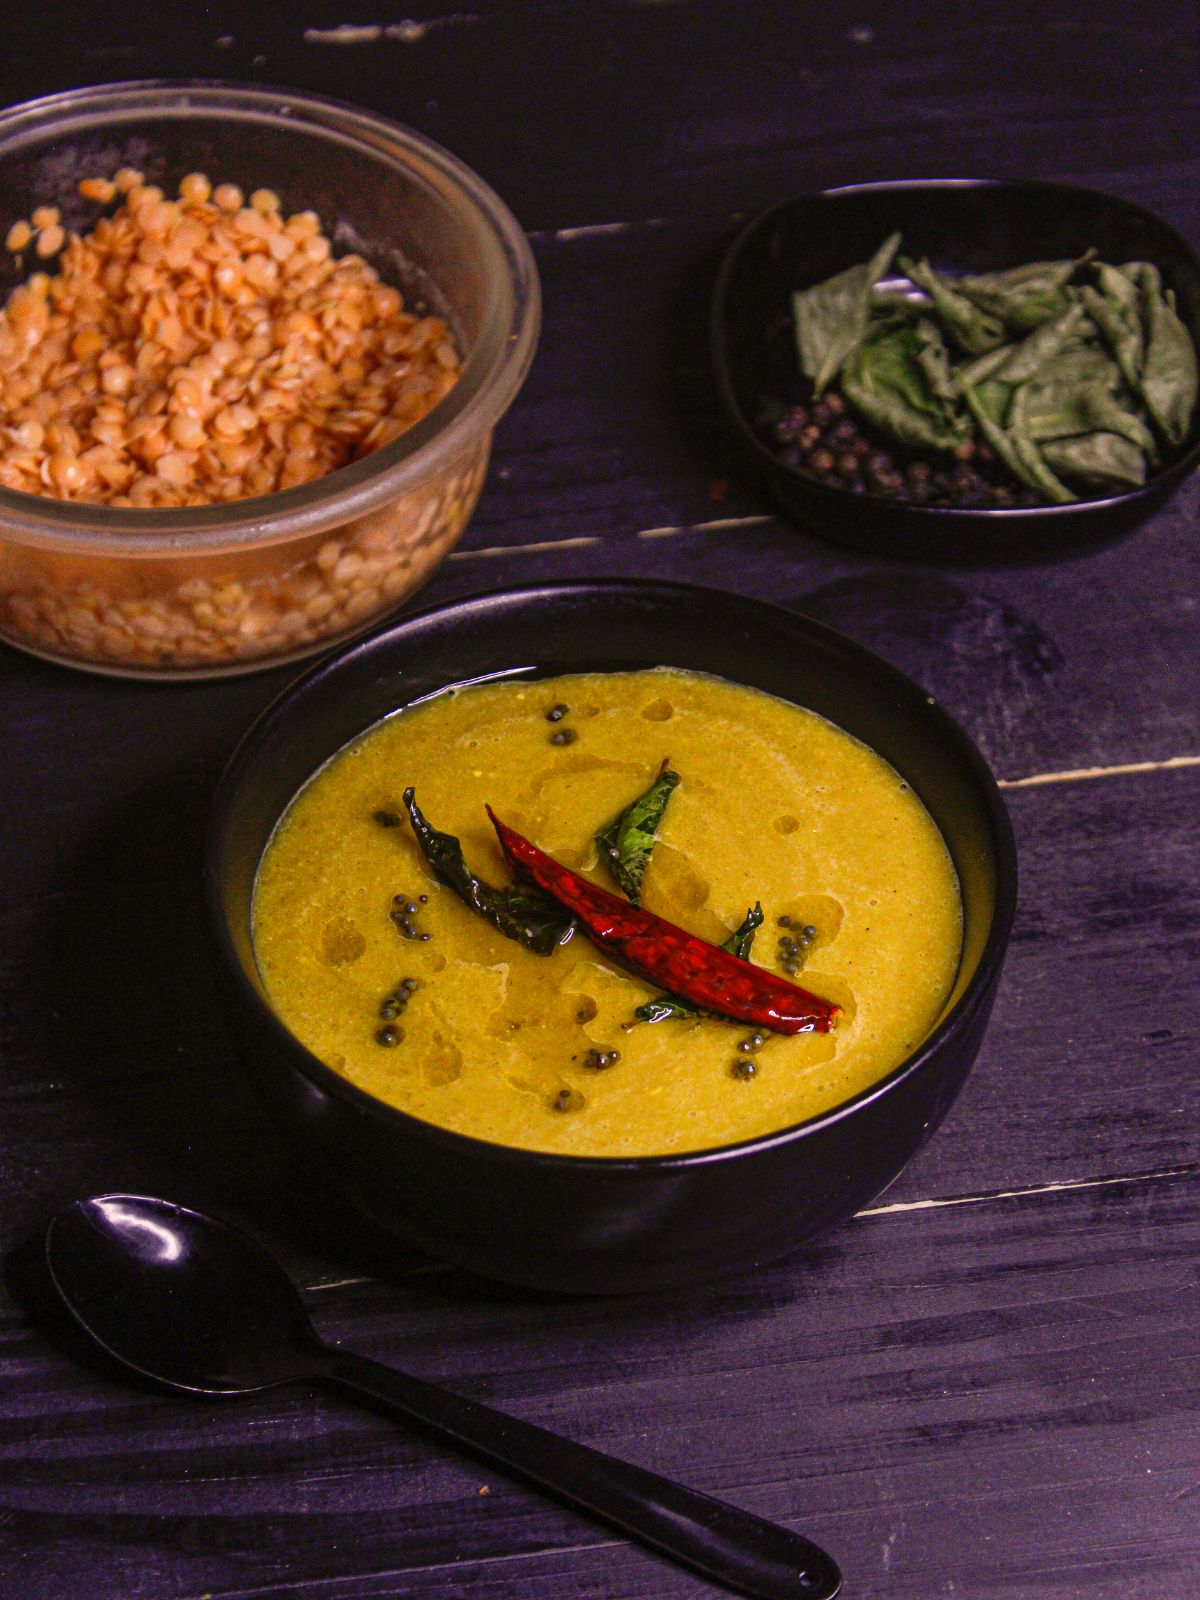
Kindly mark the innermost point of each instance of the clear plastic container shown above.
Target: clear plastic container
(226, 588)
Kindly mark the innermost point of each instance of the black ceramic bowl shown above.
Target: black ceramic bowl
(613, 1225)
(962, 226)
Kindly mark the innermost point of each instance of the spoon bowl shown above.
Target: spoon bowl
(179, 1298)
(188, 1301)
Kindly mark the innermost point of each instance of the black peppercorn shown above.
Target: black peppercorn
(598, 1060)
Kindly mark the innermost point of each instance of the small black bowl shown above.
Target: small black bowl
(962, 226)
(613, 1225)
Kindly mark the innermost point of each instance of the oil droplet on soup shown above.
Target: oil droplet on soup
(775, 805)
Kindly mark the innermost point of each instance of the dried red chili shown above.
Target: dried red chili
(656, 949)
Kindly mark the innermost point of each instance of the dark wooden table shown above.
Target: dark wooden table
(985, 1386)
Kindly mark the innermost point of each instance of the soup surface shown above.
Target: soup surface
(774, 805)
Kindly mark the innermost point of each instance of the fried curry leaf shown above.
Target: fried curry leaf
(626, 843)
(831, 318)
(890, 381)
(530, 918)
(739, 943)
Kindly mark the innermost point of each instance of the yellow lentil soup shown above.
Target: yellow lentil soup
(386, 975)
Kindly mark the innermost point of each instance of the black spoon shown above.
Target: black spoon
(187, 1301)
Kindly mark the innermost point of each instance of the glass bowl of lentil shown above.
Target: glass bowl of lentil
(830, 474)
(253, 350)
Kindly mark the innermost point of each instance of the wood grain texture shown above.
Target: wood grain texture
(582, 114)
(955, 1401)
(986, 1386)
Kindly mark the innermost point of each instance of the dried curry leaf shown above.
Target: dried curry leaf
(739, 943)
(994, 398)
(530, 918)
(887, 382)
(1027, 452)
(1169, 379)
(1096, 460)
(1017, 451)
(1024, 297)
(1115, 314)
(933, 358)
(1089, 357)
(1026, 359)
(1080, 395)
(831, 318)
(973, 331)
(626, 843)
(982, 368)
(1054, 364)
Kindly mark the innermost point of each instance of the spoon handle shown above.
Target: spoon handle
(743, 1552)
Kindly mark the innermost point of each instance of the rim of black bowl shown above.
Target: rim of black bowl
(1161, 483)
(283, 708)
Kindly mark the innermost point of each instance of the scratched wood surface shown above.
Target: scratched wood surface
(987, 1385)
